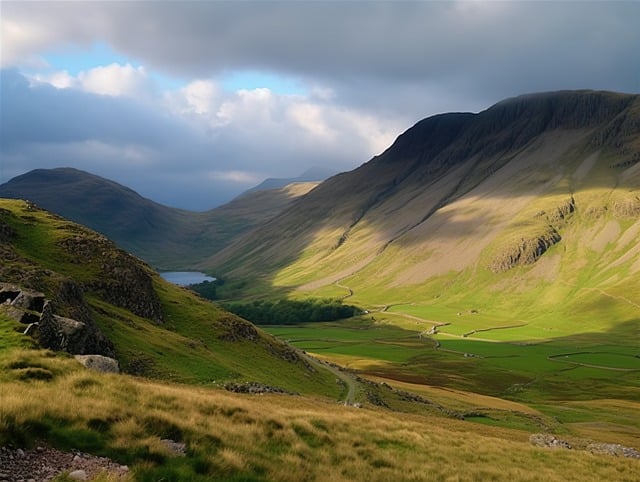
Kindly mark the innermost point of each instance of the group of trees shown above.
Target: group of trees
(290, 312)
(207, 289)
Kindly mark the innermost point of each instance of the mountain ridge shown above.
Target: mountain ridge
(168, 238)
(439, 160)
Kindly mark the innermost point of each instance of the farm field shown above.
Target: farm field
(565, 377)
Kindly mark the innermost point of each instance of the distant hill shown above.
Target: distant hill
(168, 238)
(314, 174)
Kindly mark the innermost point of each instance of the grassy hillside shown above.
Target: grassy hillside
(167, 238)
(271, 437)
(158, 329)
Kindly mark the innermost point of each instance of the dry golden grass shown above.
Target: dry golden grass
(271, 437)
(458, 399)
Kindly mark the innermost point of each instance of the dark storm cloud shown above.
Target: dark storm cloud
(42, 113)
(477, 49)
(392, 40)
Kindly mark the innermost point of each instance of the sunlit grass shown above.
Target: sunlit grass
(270, 437)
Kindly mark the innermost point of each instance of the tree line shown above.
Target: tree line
(291, 312)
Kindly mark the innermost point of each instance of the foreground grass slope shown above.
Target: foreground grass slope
(272, 437)
(158, 330)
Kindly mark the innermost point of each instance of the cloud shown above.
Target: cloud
(479, 50)
(193, 148)
(365, 70)
(116, 79)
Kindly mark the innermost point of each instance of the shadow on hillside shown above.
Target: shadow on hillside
(451, 179)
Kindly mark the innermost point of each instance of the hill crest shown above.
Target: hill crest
(166, 237)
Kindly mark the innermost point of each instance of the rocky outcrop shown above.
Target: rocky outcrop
(627, 208)
(559, 213)
(123, 280)
(53, 331)
(616, 450)
(238, 330)
(45, 463)
(254, 388)
(549, 441)
(6, 231)
(99, 363)
(526, 251)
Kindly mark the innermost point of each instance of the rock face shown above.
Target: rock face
(53, 331)
(123, 280)
(526, 251)
(239, 330)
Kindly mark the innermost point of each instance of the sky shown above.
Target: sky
(191, 103)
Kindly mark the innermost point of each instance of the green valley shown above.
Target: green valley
(464, 306)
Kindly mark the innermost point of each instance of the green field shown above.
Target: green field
(460, 361)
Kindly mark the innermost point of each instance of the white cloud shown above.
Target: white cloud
(60, 80)
(200, 96)
(21, 41)
(116, 79)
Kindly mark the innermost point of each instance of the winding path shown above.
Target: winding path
(346, 378)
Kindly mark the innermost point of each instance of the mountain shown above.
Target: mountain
(101, 300)
(168, 238)
(502, 246)
(535, 199)
(314, 174)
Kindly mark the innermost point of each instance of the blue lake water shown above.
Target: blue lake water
(184, 278)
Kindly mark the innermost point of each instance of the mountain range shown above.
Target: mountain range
(166, 237)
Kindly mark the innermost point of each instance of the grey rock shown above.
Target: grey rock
(549, 441)
(29, 300)
(176, 448)
(99, 363)
(613, 449)
(78, 475)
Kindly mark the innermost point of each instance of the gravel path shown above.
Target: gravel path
(42, 464)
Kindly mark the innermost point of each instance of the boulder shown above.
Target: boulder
(549, 441)
(29, 300)
(73, 336)
(99, 363)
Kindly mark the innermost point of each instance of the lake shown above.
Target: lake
(184, 278)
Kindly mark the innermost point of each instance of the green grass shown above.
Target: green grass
(197, 343)
(272, 437)
(11, 334)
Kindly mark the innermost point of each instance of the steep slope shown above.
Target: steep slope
(154, 328)
(480, 195)
(168, 238)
